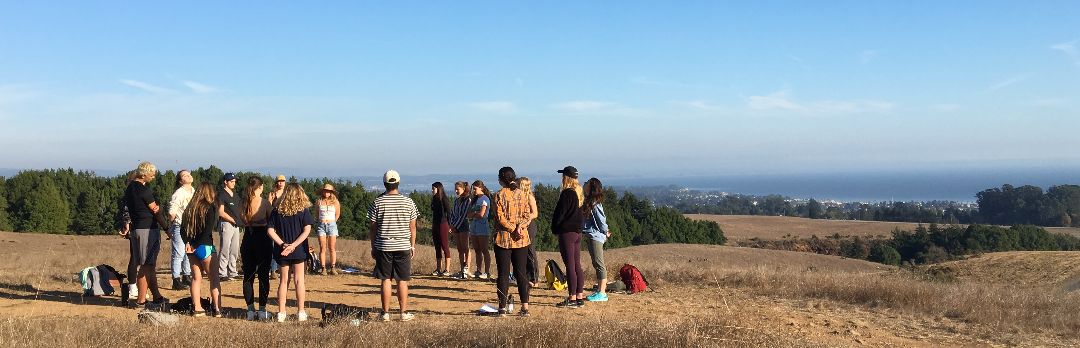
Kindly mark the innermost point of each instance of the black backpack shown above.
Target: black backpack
(333, 313)
(186, 306)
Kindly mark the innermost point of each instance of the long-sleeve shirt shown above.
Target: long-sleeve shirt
(179, 202)
(511, 210)
(457, 214)
(567, 215)
(597, 225)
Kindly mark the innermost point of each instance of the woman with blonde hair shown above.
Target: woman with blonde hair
(532, 212)
(566, 223)
(256, 249)
(289, 226)
(327, 229)
(197, 230)
(478, 228)
(145, 233)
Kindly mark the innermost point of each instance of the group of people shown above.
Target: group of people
(275, 231)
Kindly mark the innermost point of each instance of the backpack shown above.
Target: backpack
(333, 313)
(99, 280)
(554, 276)
(185, 305)
(633, 279)
(313, 262)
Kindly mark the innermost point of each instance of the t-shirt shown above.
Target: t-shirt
(391, 215)
(232, 205)
(289, 228)
(139, 197)
(479, 226)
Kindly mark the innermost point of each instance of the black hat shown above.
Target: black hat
(229, 177)
(569, 171)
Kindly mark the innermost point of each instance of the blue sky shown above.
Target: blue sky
(643, 88)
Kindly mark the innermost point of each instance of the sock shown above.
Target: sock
(251, 308)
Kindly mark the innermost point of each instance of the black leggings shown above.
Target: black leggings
(570, 249)
(532, 267)
(256, 251)
(504, 259)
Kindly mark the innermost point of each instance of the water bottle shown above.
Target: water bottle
(510, 301)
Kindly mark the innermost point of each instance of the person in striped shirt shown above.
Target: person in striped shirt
(393, 242)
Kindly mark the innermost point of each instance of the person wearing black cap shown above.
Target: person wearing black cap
(229, 227)
(566, 223)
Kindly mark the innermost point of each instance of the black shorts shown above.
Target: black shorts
(395, 265)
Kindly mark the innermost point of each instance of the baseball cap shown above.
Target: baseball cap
(229, 177)
(569, 171)
(280, 177)
(391, 177)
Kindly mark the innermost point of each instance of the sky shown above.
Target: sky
(619, 87)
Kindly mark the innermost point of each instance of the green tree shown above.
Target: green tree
(5, 221)
(885, 254)
(46, 209)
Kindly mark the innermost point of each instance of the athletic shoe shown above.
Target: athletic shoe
(407, 316)
(524, 313)
(565, 304)
(322, 271)
(250, 315)
(333, 270)
(281, 317)
(264, 315)
(503, 312)
(178, 284)
(579, 303)
(302, 316)
(597, 297)
(484, 276)
(436, 273)
(384, 317)
(133, 292)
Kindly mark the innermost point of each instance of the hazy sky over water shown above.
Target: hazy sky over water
(653, 88)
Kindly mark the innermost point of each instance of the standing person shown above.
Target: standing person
(393, 242)
(256, 249)
(597, 231)
(145, 236)
(275, 198)
(181, 265)
(197, 228)
(566, 223)
(229, 230)
(123, 222)
(440, 229)
(459, 226)
(289, 227)
(327, 230)
(532, 265)
(511, 240)
(478, 228)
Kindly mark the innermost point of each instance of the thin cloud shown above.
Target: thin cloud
(1070, 50)
(493, 106)
(1007, 82)
(865, 57)
(583, 105)
(200, 88)
(146, 86)
(700, 105)
(945, 107)
(781, 101)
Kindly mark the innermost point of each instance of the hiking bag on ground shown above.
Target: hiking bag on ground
(100, 280)
(633, 279)
(554, 276)
(186, 306)
(314, 264)
(333, 313)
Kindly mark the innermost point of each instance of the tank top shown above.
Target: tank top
(327, 212)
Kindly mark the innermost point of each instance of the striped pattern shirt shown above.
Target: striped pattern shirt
(458, 212)
(391, 215)
(511, 211)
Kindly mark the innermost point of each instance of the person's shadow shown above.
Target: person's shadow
(29, 292)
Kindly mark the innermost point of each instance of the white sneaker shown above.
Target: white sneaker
(302, 316)
(281, 317)
(264, 315)
(251, 315)
(133, 292)
(384, 317)
(407, 316)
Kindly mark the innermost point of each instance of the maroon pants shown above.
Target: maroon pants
(440, 237)
(570, 249)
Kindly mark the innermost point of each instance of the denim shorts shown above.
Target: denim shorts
(326, 229)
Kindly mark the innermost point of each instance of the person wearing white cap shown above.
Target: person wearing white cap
(327, 230)
(393, 242)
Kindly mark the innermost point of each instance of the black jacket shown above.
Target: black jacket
(567, 216)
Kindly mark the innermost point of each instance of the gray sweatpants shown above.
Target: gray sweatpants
(229, 250)
(596, 251)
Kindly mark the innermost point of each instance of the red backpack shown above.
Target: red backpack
(633, 279)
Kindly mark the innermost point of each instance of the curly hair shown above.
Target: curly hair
(294, 200)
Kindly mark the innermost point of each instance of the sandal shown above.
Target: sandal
(198, 314)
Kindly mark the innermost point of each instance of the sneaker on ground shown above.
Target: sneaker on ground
(281, 317)
(578, 304)
(503, 312)
(436, 273)
(565, 303)
(524, 313)
(251, 315)
(264, 315)
(333, 270)
(407, 316)
(384, 317)
(302, 316)
(133, 292)
(597, 297)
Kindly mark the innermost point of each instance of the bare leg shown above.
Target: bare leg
(386, 283)
(323, 246)
(403, 295)
(332, 241)
(196, 282)
(283, 286)
(298, 278)
(215, 281)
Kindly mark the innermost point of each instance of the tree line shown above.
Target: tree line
(1059, 206)
(928, 245)
(81, 202)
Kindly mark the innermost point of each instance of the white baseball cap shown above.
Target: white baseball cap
(391, 177)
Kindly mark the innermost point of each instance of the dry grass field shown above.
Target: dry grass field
(744, 227)
(1034, 269)
(704, 296)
